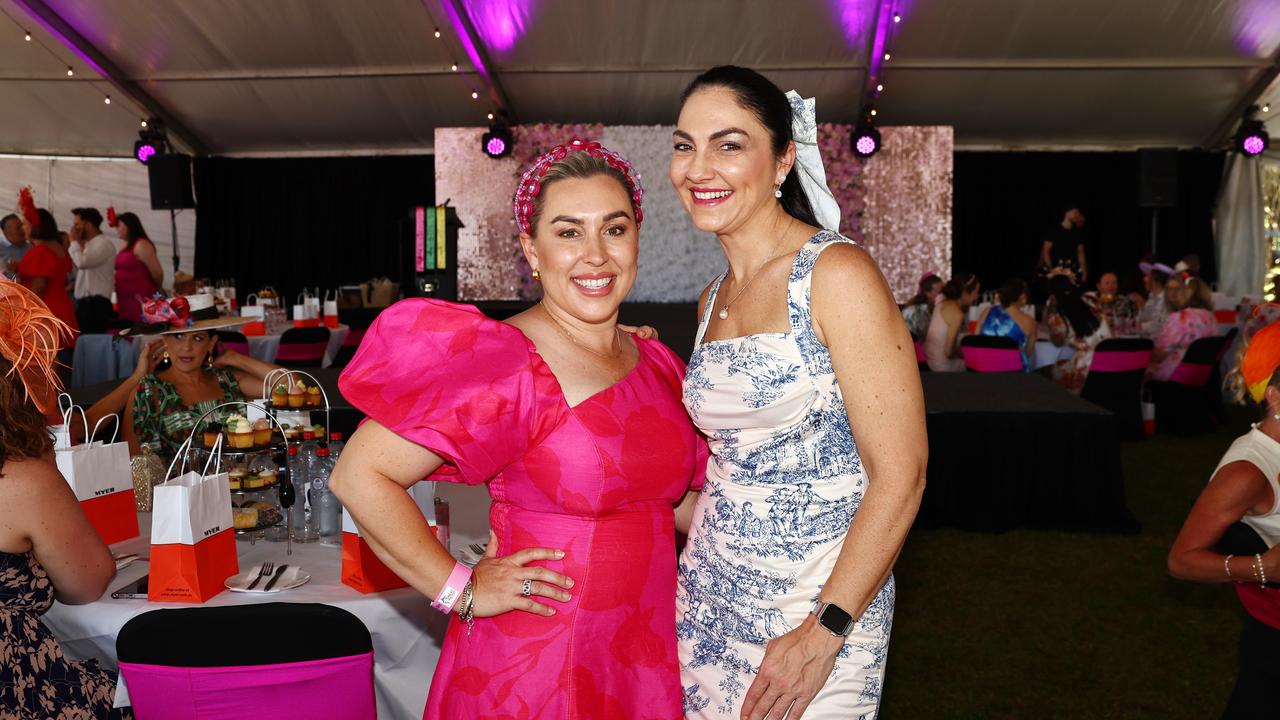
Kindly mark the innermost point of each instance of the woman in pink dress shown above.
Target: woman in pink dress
(579, 431)
(138, 271)
(1192, 318)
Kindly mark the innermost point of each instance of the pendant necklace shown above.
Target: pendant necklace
(724, 311)
(616, 339)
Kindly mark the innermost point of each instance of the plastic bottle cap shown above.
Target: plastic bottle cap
(322, 452)
(293, 449)
(335, 436)
(308, 435)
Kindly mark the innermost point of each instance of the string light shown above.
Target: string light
(873, 112)
(27, 36)
(880, 88)
(437, 32)
(70, 72)
(475, 95)
(897, 18)
(887, 56)
(454, 67)
(144, 123)
(106, 100)
(489, 116)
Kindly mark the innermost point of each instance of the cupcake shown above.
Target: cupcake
(297, 395)
(239, 432)
(313, 395)
(261, 432)
(266, 478)
(280, 396)
(211, 432)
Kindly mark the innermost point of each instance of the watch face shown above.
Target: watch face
(835, 619)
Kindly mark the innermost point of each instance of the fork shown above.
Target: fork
(263, 571)
(477, 549)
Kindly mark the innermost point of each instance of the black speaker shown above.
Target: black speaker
(170, 177)
(1157, 177)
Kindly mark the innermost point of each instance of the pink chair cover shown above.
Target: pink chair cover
(1120, 361)
(331, 689)
(240, 347)
(920, 357)
(1191, 375)
(300, 351)
(992, 359)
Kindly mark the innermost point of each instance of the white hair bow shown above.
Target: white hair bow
(809, 169)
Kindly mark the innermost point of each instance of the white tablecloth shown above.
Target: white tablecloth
(1049, 354)
(407, 633)
(100, 358)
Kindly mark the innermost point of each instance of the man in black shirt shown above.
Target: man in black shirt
(1064, 246)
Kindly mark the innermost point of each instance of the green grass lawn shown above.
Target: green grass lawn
(1037, 624)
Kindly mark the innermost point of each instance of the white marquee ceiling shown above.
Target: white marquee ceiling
(319, 76)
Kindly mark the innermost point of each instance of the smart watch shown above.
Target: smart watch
(834, 619)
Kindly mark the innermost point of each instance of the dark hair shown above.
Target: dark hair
(24, 430)
(922, 297)
(960, 282)
(1159, 276)
(4, 221)
(48, 227)
(133, 228)
(1010, 291)
(1070, 304)
(758, 95)
(89, 215)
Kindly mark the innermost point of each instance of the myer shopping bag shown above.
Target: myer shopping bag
(62, 433)
(361, 567)
(100, 475)
(331, 309)
(257, 314)
(193, 542)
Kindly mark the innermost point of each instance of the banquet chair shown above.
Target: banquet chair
(233, 340)
(1185, 405)
(347, 350)
(303, 347)
(270, 660)
(991, 354)
(922, 362)
(1114, 381)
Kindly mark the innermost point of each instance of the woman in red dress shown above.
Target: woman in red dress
(45, 267)
(579, 432)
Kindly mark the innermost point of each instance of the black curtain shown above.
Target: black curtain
(1006, 202)
(307, 222)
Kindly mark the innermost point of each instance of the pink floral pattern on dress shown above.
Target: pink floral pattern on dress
(598, 480)
(1180, 329)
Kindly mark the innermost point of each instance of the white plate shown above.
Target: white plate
(293, 577)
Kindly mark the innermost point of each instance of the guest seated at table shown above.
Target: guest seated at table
(1007, 319)
(1071, 321)
(1190, 263)
(1233, 531)
(942, 341)
(189, 381)
(1192, 318)
(1118, 310)
(919, 309)
(1154, 309)
(48, 549)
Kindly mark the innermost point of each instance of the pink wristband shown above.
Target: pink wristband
(452, 589)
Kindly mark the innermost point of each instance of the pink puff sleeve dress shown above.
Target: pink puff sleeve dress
(598, 480)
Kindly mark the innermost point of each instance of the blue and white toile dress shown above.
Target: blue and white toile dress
(783, 484)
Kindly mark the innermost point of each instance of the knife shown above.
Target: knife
(279, 571)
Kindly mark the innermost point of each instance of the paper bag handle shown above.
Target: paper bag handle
(251, 295)
(84, 419)
(182, 453)
(114, 433)
(68, 406)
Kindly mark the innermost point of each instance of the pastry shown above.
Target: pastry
(313, 395)
(239, 432)
(261, 432)
(280, 396)
(297, 395)
(267, 478)
(211, 433)
(244, 518)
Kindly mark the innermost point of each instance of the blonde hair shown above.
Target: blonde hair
(576, 166)
(1196, 293)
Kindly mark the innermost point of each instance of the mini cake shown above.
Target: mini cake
(252, 482)
(297, 395)
(235, 478)
(244, 518)
(239, 432)
(267, 478)
(292, 434)
(261, 432)
(280, 396)
(313, 395)
(211, 433)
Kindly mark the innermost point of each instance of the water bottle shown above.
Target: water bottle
(300, 480)
(335, 445)
(325, 505)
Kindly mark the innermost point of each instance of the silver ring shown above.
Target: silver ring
(527, 588)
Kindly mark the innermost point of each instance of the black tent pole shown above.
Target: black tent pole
(173, 228)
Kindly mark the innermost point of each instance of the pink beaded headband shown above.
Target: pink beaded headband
(531, 183)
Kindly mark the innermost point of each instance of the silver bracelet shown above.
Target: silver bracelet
(465, 606)
(1226, 565)
(1262, 572)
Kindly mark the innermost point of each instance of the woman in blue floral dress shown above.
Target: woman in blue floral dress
(804, 379)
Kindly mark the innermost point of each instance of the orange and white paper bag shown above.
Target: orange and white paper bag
(361, 567)
(62, 433)
(100, 475)
(193, 542)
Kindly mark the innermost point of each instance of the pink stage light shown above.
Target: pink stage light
(865, 145)
(496, 146)
(1253, 145)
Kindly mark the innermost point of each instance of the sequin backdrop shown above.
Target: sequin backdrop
(898, 204)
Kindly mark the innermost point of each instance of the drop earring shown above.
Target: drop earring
(165, 356)
(777, 191)
(537, 275)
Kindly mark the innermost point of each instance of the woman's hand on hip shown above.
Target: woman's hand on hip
(498, 583)
(795, 667)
